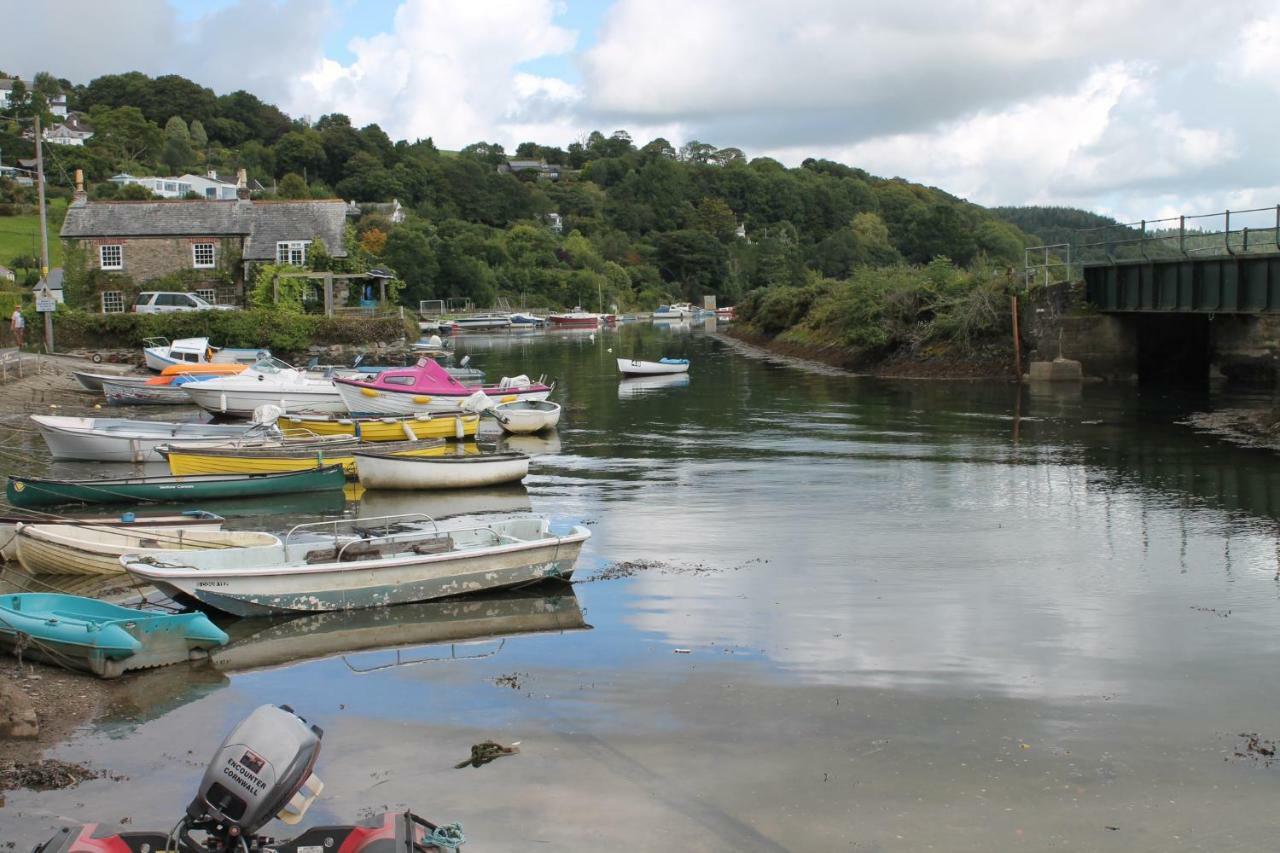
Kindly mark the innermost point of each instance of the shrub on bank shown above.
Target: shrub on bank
(284, 333)
(881, 310)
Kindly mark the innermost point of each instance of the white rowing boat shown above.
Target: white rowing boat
(523, 417)
(73, 549)
(662, 367)
(387, 471)
(145, 522)
(124, 440)
(405, 559)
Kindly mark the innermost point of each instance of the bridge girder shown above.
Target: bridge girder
(1239, 284)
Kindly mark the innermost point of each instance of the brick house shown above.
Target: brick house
(207, 247)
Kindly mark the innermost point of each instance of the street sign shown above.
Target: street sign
(45, 304)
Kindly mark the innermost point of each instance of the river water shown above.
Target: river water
(857, 614)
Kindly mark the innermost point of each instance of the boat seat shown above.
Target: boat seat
(360, 550)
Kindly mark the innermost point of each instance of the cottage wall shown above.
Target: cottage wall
(149, 258)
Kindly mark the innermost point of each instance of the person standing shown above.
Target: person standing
(18, 324)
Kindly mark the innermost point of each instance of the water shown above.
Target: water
(917, 616)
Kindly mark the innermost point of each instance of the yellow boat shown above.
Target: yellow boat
(411, 428)
(274, 460)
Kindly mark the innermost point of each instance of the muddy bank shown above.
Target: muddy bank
(1246, 427)
(63, 702)
(993, 362)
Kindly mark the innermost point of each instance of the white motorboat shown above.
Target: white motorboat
(521, 318)
(130, 392)
(479, 322)
(123, 440)
(75, 549)
(402, 560)
(527, 416)
(426, 387)
(268, 381)
(160, 353)
(633, 367)
(379, 470)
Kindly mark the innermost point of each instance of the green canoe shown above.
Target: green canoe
(32, 492)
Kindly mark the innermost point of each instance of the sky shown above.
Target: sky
(1134, 108)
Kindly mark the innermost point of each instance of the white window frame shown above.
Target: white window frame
(210, 296)
(112, 302)
(195, 256)
(119, 259)
(292, 252)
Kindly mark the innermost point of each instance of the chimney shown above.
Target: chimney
(80, 195)
(242, 184)
(212, 174)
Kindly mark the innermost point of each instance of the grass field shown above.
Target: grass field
(17, 233)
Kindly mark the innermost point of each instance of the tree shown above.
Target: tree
(135, 192)
(301, 152)
(177, 153)
(293, 186)
(374, 241)
(124, 134)
(199, 137)
(715, 217)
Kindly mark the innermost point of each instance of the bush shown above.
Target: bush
(285, 334)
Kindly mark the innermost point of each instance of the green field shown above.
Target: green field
(17, 233)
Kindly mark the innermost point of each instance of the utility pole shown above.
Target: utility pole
(44, 236)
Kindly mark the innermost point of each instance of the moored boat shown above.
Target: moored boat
(527, 416)
(378, 470)
(634, 367)
(144, 522)
(79, 549)
(124, 440)
(37, 492)
(406, 428)
(479, 322)
(521, 318)
(426, 387)
(130, 393)
(102, 638)
(300, 457)
(268, 382)
(160, 353)
(93, 381)
(413, 560)
(575, 319)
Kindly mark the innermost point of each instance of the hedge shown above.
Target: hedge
(285, 334)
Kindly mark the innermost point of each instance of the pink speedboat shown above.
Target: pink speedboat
(427, 387)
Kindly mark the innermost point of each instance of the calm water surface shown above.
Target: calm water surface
(917, 616)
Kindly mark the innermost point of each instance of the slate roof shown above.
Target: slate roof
(157, 219)
(262, 223)
(296, 220)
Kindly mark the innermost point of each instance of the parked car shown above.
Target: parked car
(164, 302)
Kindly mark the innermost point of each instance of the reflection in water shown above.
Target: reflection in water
(257, 643)
(539, 444)
(375, 503)
(639, 386)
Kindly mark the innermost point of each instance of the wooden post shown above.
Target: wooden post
(328, 294)
(1017, 339)
(44, 236)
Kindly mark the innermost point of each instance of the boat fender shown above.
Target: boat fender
(422, 399)
(128, 518)
(368, 392)
(409, 433)
(458, 431)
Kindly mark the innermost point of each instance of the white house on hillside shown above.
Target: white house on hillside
(6, 86)
(207, 186)
(71, 131)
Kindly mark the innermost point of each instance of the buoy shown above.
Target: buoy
(421, 399)
(510, 398)
(368, 392)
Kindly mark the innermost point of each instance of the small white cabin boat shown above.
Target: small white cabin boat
(523, 417)
(633, 367)
(401, 560)
(160, 353)
(387, 471)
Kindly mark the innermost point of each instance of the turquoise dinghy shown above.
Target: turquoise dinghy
(102, 638)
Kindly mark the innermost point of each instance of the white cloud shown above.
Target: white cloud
(447, 70)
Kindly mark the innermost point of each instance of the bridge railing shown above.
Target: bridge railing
(1230, 232)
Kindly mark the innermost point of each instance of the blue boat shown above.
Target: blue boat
(105, 639)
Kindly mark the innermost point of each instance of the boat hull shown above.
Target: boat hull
(64, 549)
(241, 402)
(348, 586)
(130, 394)
(27, 492)
(521, 418)
(411, 428)
(195, 462)
(572, 321)
(448, 472)
(92, 440)
(364, 400)
(195, 518)
(632, 367)
(102, 638)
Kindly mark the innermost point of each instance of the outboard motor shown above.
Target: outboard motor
(262, 770)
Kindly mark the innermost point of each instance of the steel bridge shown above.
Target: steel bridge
(1214, 263)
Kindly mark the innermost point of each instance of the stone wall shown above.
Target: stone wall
(1055, 323)
(149, 259)
(1246, 347)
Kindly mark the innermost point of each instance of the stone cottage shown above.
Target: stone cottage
(206, 247)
